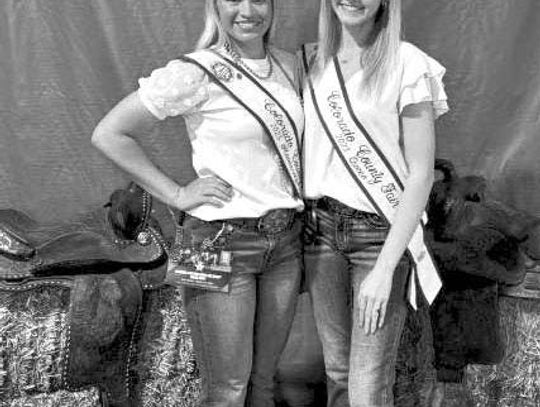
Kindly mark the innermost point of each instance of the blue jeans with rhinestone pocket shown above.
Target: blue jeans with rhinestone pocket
(239, 336)
(342, 246)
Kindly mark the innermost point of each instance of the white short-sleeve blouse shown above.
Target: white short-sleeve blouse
(417, 79)
(227, 141)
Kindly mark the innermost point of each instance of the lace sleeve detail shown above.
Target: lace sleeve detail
(176, 89)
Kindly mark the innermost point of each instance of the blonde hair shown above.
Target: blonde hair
(381, 54)
(214, 34)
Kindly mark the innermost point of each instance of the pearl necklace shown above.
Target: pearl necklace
(238, 59)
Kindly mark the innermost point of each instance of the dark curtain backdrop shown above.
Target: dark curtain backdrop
(64, 63)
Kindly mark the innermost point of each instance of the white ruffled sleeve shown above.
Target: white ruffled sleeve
(178, 88)
(422, 80)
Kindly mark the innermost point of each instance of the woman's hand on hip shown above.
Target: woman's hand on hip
(372, 299)
(203, 191)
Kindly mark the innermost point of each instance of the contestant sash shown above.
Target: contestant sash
(258, 101)
(368, 166)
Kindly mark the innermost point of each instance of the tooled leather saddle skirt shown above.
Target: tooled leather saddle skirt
(106, 275)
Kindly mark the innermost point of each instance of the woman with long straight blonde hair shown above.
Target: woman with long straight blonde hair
(238, 249)
(370, 100)
(378, 58)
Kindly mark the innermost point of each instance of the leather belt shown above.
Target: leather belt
(273, 222)
(335, 206)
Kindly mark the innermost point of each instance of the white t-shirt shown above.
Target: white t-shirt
(417, 79)
(227, 141)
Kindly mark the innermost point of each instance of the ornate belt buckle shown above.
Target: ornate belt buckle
(275, 221)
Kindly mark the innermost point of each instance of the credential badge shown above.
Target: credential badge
(222, 71)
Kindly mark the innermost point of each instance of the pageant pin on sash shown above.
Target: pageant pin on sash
(368, 166)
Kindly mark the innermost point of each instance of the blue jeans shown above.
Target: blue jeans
(239, 336)
(340, 251)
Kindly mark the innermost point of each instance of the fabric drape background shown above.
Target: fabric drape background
(65, 63)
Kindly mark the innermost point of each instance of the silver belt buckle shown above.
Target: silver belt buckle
(274, 222)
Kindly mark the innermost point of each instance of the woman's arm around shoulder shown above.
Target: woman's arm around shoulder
(288, 63)
(286, 58)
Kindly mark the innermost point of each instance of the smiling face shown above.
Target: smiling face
(356, 12)
(245, 21)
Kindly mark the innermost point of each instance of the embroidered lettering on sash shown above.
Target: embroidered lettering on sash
(358, 152)
(263, 106)
(367, 165)
(286, 139)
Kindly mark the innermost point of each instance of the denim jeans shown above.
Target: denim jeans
(239, 336)
(340, 252)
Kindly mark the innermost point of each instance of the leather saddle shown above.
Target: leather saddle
(106, 259)
(472, 232)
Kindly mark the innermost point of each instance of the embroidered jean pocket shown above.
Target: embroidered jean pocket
(374, 221)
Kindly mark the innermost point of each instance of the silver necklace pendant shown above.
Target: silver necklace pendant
(238, 59)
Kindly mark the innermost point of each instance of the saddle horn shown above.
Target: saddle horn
(129, 211)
